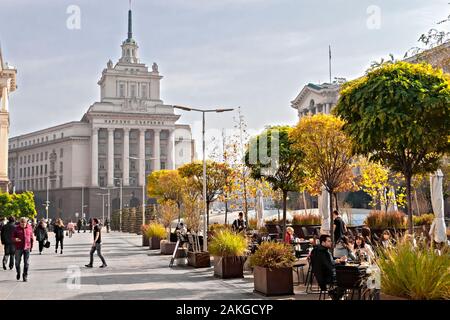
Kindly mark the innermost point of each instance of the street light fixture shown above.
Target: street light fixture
(205, 223)
(103, 205)
(121, 203)
(143, 185)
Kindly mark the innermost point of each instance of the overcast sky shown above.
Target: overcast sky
(256, 54)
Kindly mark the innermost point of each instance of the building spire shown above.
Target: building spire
(130, 28)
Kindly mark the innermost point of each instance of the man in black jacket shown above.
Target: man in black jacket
(7, 241)
(323, 264)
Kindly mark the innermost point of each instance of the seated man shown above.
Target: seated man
(239, 224)
(323, 264)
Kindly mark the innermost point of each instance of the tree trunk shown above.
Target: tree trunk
(207, 217)
(245, 201)
(304, 201)
(331, 218)
(417, 202)
(284, 213)
(226, 210)
(409, 199)
(336, 201)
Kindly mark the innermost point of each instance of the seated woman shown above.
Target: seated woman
(386, 241)
(289, 236)
(343, 249)
(362, 248)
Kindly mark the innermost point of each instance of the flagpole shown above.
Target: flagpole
(329, 61)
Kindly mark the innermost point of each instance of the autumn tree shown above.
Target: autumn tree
(276, 161)
(168, 211)
(216, 174)
(399, 115)
(166, 185)
(327, 153)
(17, 205)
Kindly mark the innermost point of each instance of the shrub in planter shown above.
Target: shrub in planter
(423, 220)
(415, 272)
(381, 220)
(216, 227)
(252, 224)
(155, 232)
(228, 249)
(272, 269)
(145, 239)
(308, 219)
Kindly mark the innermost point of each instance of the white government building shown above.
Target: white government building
(130, 123)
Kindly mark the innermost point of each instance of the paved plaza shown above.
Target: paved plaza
(133, 272)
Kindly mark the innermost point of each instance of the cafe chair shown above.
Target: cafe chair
(297, 267)
(350, 279)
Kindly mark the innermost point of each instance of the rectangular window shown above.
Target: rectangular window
(61, 152)
(144, 91)
(46, 155)
(32, 171)
(20, 160)
(60, 167)
(133, 91)
(42, 156)
(45, 170)
(101, 164)
(42, 169)
(117, 164)
(20, 173)
(60, 182)
(122, 90)
(29, 158)
(133, 165)
(101, 181)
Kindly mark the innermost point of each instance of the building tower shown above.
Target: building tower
(7, 85)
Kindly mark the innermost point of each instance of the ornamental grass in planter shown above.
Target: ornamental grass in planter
(423, 220)
(272, 269)
(155, 232)
(145, 239)
(228, 249)
(415, 272)
(378, 220)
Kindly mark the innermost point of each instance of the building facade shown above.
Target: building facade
(316, 98)
(121, 139)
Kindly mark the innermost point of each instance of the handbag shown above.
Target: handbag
(47, 244)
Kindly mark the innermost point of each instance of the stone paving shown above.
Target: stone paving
(133, 272)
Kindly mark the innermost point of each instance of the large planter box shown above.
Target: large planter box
(154, 243)
(167, 247)
(384, 296)
(229, 267)
(299, 230)
(145, 241)
(275, 282)
(199, 259)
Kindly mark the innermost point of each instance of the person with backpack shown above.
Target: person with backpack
(41, 235)
(8, 243)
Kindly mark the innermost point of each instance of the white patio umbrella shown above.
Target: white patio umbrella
(392, 201)
(324, 211)
(437, 200)
(259, 209)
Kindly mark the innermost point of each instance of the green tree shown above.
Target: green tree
(216, 174)
(288, 174)
(17, 205)
(399, 115)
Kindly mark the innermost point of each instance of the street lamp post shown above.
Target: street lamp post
(205, 223)
(121, 203)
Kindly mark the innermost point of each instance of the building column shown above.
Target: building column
(126, 154)
(110, 157)
(171, 150)
(156, 150)
(141, 161)
(94, 154)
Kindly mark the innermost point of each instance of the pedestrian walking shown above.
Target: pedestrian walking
(8, 243)
(79, 224)
(70, 228)
(59, 234)
(84, 225)
(41, 235)
(96, 245)
(107, 225)
(23, 240)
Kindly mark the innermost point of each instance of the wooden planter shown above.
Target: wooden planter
(199, 259)
(145, 241)
(154, 243)
(167, 247)
(275, 282)
(229, 267)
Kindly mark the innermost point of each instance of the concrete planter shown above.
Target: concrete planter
(384, 296)
(199, 259)
(145, 240)
(229, 267)
(154, 243)
(275, 282)
(167, 247)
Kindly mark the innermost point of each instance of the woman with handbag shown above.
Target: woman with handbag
(59, 234)
(41, 235)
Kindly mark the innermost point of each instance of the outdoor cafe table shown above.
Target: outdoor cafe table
(351, 276)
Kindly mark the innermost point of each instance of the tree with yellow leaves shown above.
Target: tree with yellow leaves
(327, 152)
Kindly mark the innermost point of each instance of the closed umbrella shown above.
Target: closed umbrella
(259, 209)
(393, 200)
(437, 200)
(324, 211)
